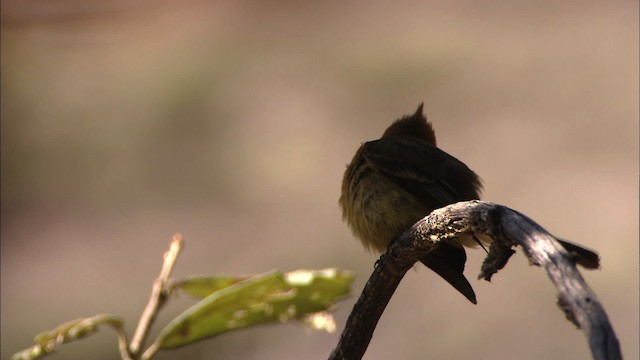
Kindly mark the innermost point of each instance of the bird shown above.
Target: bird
(398, 179)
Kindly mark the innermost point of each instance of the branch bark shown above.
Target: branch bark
(507, 228)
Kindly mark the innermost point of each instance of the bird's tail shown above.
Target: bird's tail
(448, 261)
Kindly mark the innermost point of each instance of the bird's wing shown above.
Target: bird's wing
(434, 177)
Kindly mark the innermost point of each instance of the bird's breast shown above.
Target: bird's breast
(377, 210)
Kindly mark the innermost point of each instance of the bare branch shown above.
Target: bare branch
(122, 344)
(507, 228)
(158, 296)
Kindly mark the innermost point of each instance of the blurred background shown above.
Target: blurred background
(231, 122)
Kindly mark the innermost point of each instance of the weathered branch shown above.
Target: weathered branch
(507, 228)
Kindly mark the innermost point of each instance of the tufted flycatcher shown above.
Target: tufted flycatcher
(394, 181)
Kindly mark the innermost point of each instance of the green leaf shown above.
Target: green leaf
(46, 342)
(266, 298)
(203, 286)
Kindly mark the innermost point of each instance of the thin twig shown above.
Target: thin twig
(151, 350)
(157, 298)
(122, 344)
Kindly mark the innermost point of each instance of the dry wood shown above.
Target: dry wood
(507, 228)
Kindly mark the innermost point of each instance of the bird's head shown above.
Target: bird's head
(415, 125)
